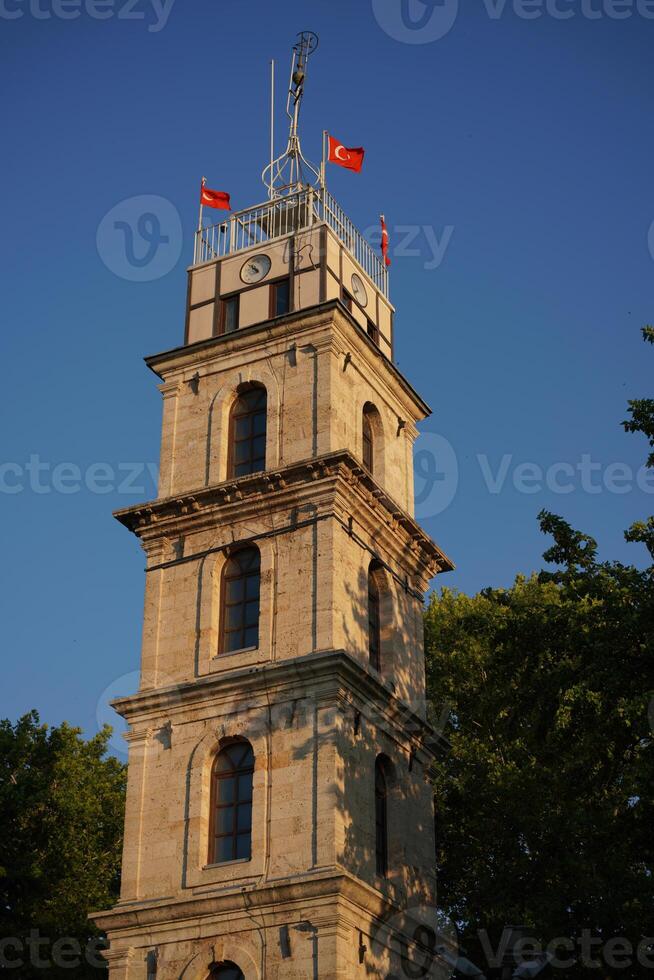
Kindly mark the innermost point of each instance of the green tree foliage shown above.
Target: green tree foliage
(62, 811)
(544, 803)
(642, 420)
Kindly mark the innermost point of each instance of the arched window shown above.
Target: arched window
(231, 804)
(368, 444)
(240, 600)
(226, 971)
(374, 619)
(381, 818)
(247, 433)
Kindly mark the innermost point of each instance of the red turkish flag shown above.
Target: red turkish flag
(215, 199)
(349, 157)
(384, 240)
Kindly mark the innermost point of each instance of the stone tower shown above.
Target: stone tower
(279, 811)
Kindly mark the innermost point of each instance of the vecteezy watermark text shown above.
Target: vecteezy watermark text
(563, 952)
(38, 476)
(43, 952)
(426, 21)
(414, 241)
(156, 12)
(586, 474)
(436, 475)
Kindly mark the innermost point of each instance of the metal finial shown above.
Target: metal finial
(285, 174)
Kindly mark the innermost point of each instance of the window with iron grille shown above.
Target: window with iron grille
(241, 584)
(247, 437)
(231, 805)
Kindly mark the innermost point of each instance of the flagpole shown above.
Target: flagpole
(384, 247)
(203, 182)
(198, 236)
(323, 168)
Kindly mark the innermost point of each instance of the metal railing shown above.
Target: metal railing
(283, 216)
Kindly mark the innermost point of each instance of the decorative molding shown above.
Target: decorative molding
(136, 737)
(173, 514)
(117, 959)
(335, 678)
(309, 888)
(331, 313)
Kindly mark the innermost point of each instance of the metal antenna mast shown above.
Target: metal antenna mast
(286, 174)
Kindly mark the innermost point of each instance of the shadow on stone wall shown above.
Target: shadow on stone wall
(358, 735)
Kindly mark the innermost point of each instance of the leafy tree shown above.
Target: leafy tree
(642, 420)
(544, 803)
(62, 810)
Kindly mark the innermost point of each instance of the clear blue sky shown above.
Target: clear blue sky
(530, 138)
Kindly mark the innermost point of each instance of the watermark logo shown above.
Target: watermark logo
(426, 21)
(416, 21)
(418, 941)
(105, 714)
(140, 239)
(124, 686)
(435, 474)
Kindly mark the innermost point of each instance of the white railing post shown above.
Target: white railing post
(232, 235)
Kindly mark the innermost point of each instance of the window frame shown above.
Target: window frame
(372, 331)
(272, 302)
(222, 315)
(236, 772)
(232, 462)
(225, 577)
(367, 442)
(374, 621)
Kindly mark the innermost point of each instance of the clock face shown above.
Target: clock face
(359, 290)
(255, 269)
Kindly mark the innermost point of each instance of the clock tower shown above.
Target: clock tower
(279, 815)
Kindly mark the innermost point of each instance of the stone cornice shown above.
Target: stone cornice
(160, 914)
(334, 675)
(188, 512)
(288, 326)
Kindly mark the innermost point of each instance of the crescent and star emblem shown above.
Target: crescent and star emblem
(337, 152)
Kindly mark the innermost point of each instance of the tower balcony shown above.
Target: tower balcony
(288, 254)
(284, 216)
